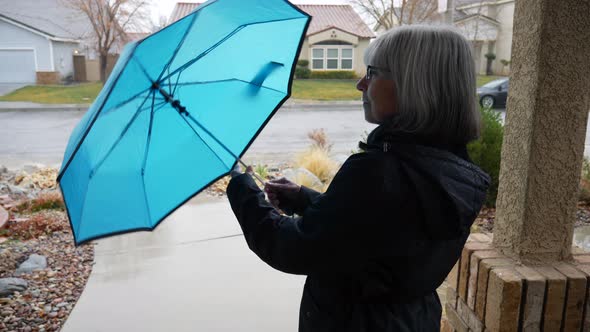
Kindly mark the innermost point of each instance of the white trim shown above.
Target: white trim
(24, 49)
(51, 58)
(487, 3)
(66, 40)
(43, 34)
(325, 57)
(476, 16)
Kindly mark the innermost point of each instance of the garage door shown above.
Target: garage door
(17, 66)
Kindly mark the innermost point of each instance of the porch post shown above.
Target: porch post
(545, 130)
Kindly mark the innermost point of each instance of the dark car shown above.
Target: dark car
(493, 94)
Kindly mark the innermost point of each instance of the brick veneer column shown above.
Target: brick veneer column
(545, 130)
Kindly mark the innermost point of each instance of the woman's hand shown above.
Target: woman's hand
(282, 193)
(237, 170)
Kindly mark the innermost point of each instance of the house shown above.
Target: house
(46, 41)
(336, 38)
(38, 40)
(486, 23)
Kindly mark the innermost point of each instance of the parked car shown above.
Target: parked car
(493, 94)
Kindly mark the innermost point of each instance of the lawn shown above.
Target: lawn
(56, 94)
(482, 79)
(85, 93)
(325, 90)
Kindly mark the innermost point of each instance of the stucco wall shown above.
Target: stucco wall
(545, 130)
(63, 58)
(484, 10)
(12, 36)
(505, 15)
(333, 34)
(359, 45)
(359, 51)
(478, 29)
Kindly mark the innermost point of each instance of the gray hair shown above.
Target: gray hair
(434, 75)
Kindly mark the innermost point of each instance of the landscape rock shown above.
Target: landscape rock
(10, 285)
(35, 262)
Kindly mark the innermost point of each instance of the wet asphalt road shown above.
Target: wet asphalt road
(41, 136)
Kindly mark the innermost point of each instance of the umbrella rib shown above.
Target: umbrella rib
(127, 101)
(142, 68)
(212, 136)
(199, 136)
(225, 80)
(176, 84)
(207, 51)
(139, 110)
(145, 155)
(262, 86)
(149, 136)
(167, 68)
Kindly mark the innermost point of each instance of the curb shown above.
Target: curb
(34, 107)
(289, 104)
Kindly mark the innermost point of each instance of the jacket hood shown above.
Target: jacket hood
(450, 188)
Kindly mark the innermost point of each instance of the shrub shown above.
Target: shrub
(302, 63)
(46, 201)
(490, 56)
(302, 73)
(261, 170)
(333, 74)
(37, 225)
(584, 193)
(485, 152)
(320, 139)
(318, 162)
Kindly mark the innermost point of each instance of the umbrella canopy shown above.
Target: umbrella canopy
(178, 109)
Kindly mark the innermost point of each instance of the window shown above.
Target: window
(317, 57)
(346, 58)
(332, 57)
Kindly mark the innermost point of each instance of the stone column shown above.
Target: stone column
(544, 130)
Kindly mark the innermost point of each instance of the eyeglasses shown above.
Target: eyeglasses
(373, 71)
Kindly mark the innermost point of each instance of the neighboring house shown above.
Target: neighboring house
(45, 41)
(38, 40)
(487, 24)
(336, 38)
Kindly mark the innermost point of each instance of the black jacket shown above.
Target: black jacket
(377, 244)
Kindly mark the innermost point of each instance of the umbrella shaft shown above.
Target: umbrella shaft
(175, 103)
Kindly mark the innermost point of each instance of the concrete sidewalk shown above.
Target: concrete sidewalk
(193, 273)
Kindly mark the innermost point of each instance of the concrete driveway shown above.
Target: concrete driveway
(6, 88)
(193, 273)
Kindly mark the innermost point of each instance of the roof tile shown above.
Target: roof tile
(342, 17)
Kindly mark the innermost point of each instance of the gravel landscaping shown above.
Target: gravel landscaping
(42, 272)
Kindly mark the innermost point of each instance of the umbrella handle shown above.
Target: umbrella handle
(253, 173)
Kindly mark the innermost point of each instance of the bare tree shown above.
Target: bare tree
(110, 20)
(391, 13)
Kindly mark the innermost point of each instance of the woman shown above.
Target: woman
(377, 244)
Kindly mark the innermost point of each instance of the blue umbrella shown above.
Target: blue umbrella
(178, 110)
